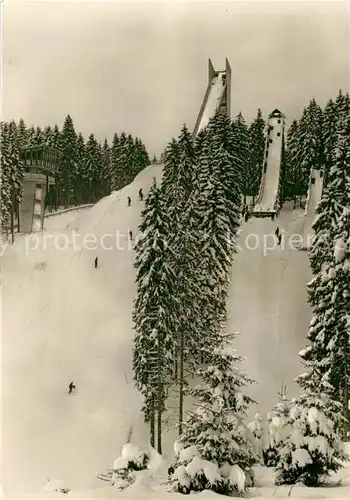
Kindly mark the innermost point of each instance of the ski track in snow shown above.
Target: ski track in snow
(70, 322)
(73, 322)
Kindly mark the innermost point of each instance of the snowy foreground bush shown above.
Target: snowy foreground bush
(313, 449)
(196, 474)
(131, 460)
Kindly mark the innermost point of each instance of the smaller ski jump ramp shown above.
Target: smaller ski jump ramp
(267, 202)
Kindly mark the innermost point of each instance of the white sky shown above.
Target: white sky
(142, 67)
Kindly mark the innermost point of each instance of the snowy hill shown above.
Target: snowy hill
(64, 320)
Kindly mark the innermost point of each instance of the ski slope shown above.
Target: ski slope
(213, 101)
(268, 194)
(268, 305)
(314, 196)
(65, 321)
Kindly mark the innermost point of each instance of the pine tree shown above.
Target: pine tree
(256, 154)
(329, 134)
(81, 178)
(22, 134)
(240, 147)
(337, 349)
(313, 449)
(278, 430)
(11, 178)
(171, 162)
(309, 151)
(215, 451)
(154, 311)
(293, 177)
(68, 160)
(106, 173)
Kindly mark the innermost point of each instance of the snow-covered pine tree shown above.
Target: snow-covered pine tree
(216, 449)
(218, 226)
(309, 150)
(329, 134)
(12, 178)
(22, 134)
(256, 133)
(154, 312)
(47, 135)
(81, 180)
(68, 160)
(56, 139)
(240, 149)
(338, 347)
(5, 179)
(293, 176)
(38, 137)
(258, 429)
(171, 162)
(342, 103)
(106, 175)
(31, 136)
(93, 158)
(277, 428)
(313, 448)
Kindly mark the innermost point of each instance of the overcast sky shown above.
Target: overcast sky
(142, 67)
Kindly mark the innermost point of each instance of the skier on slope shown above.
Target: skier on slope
(246, 217)
(277, 232)
(71, 388)
(140, 194)
(279, 239)
(130, 234)
(129, 201)
(96, 262)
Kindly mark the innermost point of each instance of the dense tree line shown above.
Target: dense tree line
(87, 170)
(311, 141)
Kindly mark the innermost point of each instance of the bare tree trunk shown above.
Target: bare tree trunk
(346, 395)
(12, 216)
(18, 218)
(160, 398)
(152, 424)
(181, 385)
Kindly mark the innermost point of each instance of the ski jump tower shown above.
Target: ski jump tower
(217, 96)
(40, 167)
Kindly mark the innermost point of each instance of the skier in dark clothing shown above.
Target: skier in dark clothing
(246, 217)
(130, 234)
(71, 388)
(96, 262)
(140, 194)
(129, 201)
(279, 239)
(277, 232)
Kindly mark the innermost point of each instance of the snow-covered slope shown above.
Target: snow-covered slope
(268, 304)
(213, 101)
(270, 179)
(65, 321)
